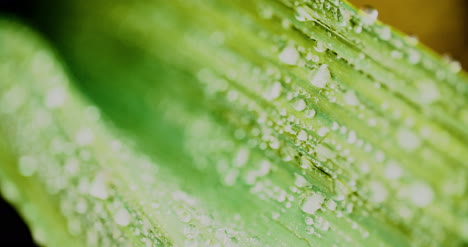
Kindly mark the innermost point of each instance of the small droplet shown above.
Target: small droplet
(309, 221)
(352, 138)
(302, 136)
(396, 54)
(274, 92)
(241, 157)
(300, 105)
(393, 171)
(231, 177)
(322, 131)
(370, 15)
(98, 187)
(274, 143)
(27, 166)
(190, 231)
(358, 29)
(302, 14)
(310, 230)
(55, 97)
(414, 56)
(84, 137)
(331, 205)
(310, 113)
(289, 55)
(312, 203)
(122, 217)
(312, 57)
(428, 91)
(421, 194)
(408, 140)
(320, 76)
(378, 193)
(412, 40)
(351, 99)
(300, 181)
(384, 33)
(320, 46)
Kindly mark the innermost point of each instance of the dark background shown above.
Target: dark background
(13, 230)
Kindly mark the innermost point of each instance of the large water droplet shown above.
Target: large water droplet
(408, 140)
(55, 97)
(370, 15)
(274, 92)
(300, 105)
(289, 55)
(421, 194)
(122, 217)
(320, 76)
(302, 14)
(312, 203)
(98, 187)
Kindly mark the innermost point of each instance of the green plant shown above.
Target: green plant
(231, 123)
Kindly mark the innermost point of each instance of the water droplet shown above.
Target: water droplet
(384, 32)
(302, 14)
(300, 105)
(322, 131)
(408, 140)
(378, 193)
(352, 138)
(10, 190)
(309, 221)
(428, 91)
(305, 163)
(241, 157)
(98, 187)
(310, 113)
(331, 205)
(312, 57)
(358, 29)
(421, 194)
(370, 15)
(264, 169)
(412, 39)
(191, 231)
(27, 166)
(300, 181)
(84, 137)
(393, 171)
(320, 46)
(324, 153)
(320, 76)
(312, 203)
(122, 217)
(55, 97)
(414, 56)
(275, 215)
(289, 55)
(310, 230)
(396, 54)
(274, 143)
(266, 12)
(302, 135)
(231, 177)
(274, 92)
(13, 99)
(351, 99)
(454, 65)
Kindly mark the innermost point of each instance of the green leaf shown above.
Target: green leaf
(231, 123)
